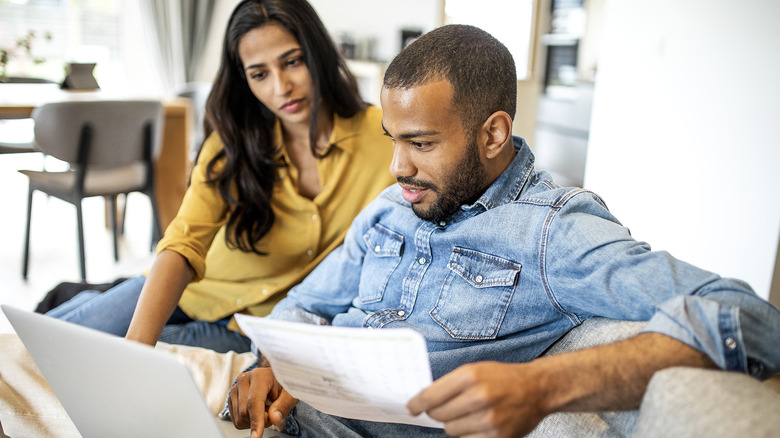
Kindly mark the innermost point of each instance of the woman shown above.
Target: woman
(292, 154)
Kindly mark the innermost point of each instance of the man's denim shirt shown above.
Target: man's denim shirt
(506, 277)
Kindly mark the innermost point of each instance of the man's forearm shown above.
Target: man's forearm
(613, 376)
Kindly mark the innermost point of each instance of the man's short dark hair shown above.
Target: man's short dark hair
(480, 69)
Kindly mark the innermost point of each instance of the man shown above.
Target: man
(492, 261)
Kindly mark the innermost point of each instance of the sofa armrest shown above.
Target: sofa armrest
(690, 402)
(592, 332)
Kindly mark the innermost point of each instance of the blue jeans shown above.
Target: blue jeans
(111, 312)
(307, 422)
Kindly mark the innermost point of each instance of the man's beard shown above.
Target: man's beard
(465, 186)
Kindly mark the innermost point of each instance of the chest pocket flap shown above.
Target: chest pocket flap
(483, 270)
(383, 242)
(383, 254)
(475, 295)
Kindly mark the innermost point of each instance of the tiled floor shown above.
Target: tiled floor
(54, 243)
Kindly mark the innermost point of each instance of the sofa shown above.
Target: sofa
(679, 402)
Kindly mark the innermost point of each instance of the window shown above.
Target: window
(80, 30)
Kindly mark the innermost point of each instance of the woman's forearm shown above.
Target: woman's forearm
(169, 275)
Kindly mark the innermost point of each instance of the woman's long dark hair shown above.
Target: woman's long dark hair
(245, 125)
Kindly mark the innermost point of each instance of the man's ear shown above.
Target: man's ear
(494, 133)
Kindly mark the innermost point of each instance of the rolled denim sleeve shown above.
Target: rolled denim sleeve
(624, 279)
(738, 331)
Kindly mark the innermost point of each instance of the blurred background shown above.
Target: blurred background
(669, 110)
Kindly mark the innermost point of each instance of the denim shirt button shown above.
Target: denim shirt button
(478, 279)
(401, 313)
(421, 261)
(442, 223)
(755, 368)
(731, 343)
(377, 248)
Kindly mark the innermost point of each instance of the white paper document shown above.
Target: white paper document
(347, 372)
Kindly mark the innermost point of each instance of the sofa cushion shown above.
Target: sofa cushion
(689, 402)
(617, 424)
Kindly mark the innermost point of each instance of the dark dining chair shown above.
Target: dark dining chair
(110, 147)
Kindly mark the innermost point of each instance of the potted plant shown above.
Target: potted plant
(21, 48)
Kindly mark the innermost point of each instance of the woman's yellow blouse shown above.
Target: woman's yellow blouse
(229, 281)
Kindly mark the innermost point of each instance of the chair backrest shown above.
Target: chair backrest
(118, 130)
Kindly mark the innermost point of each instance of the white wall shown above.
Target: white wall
(378, 19)
(685, 134)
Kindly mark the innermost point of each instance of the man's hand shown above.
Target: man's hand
(491, 399)
(483, 399)
(257, 400)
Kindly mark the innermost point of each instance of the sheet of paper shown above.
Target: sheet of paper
(348, 372)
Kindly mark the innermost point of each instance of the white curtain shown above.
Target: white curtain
(176, 32)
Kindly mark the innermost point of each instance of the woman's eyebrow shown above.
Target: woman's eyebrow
(282, 56)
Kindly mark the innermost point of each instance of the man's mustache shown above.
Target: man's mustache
(417, 183)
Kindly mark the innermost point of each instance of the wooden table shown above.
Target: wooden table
(172, 167)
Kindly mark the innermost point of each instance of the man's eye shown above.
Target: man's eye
(418, 144)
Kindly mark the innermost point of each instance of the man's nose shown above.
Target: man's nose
(401, 165)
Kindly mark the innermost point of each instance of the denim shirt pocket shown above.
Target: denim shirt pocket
(383, 255)
(476, 294)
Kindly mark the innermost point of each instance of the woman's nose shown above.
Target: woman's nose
(282, 84)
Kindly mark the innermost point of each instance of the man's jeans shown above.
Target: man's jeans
(112, 311)
(307, 422)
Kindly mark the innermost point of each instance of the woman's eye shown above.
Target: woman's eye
(295, 61)
(258, 75)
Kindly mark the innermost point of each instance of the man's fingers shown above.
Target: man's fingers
(238, 413)
(281, 407)
(441, 390)
(247, 401)
(462, 404)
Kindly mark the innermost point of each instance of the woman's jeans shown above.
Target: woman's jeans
(112, 310)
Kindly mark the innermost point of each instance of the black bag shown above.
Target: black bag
(65, 291)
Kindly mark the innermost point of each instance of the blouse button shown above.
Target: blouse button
(314, 217)
(309, 252)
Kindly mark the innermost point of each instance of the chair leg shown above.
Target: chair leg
(26, 255)
(82, 258)
(114, 230)
(156, 228)
(123, 217)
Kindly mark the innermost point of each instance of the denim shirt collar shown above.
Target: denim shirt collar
(507, 187)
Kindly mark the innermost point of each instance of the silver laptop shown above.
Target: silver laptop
(111, 387)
